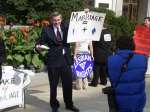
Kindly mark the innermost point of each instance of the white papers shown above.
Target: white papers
(42, 47)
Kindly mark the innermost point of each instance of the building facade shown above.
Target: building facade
(133, 9)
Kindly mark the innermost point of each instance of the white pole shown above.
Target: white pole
(148, 9)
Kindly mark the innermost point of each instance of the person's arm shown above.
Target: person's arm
(91, 49)
(75, 49)
(41, 41)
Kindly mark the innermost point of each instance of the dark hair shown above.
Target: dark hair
(147, 18)
(55, 14)
(125, 43)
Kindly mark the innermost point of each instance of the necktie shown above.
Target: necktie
(58, 35)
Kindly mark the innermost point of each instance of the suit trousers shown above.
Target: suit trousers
(100, 71)
(0, 72)
(54, 75)
(112, 103)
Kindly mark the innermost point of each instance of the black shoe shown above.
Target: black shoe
(73, 108)
(93, 85)
(54, 109)
(103, 83)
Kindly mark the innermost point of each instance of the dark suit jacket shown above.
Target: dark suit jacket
(102, 49)
(2, 55)
(55, 56)
(2, 51)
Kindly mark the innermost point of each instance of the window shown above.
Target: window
(130, 1)
(130, 9)
(103, 5)
(133, 1)
(125, 1)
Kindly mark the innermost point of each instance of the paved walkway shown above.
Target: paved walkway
(90, 100)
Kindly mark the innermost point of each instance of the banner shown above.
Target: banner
(142, 40)
(83, 65)
(85, 25)
(11, 88)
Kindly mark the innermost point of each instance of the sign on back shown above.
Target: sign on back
(85, 25)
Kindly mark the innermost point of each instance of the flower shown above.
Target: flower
(24, 29)
(12, 38)
(25, 32)
(1, 35)
(45, 23)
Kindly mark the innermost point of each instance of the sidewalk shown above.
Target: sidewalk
(90, 100)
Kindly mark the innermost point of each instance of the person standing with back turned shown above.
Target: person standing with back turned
(59, 61)
(129, 84)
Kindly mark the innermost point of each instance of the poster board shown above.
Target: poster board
(11, 88)
(85, 25)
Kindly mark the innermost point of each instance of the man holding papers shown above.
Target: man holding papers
(59, 61)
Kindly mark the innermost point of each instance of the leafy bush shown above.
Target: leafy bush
(121, 26)
(37, 9)
(20, 48)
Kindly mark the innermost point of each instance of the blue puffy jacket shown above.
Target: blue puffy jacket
(130, 90)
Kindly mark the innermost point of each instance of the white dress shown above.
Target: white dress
(83, 46)
(83, 66)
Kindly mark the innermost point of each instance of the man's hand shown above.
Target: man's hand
(74, 57)
(41, 47)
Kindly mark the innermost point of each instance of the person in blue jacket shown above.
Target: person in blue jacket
(130, 89)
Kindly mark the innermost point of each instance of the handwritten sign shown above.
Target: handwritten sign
(11, 88)
(85, 25)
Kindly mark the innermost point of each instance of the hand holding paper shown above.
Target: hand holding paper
(42, 47)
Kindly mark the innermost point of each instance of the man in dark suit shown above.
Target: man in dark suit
(2, 53)
(59, 61)
(101, 50)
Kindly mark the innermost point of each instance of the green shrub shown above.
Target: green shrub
(21, 51)
(120, 26)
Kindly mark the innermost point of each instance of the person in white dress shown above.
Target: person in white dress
(82, 48)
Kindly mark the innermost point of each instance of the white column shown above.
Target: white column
(95, 4)
(110, 4)
(148, 15)
(114, 5)
(118, 7)
(148, 9)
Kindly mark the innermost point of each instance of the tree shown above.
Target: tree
(17, 10)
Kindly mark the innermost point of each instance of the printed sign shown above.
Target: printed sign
(83, 65)
(85, 25)
(11, 88)
(107, 37)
